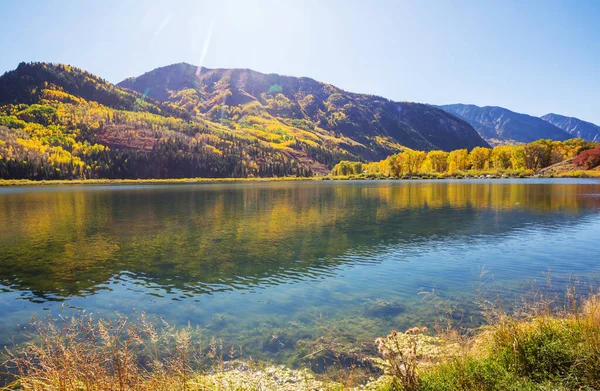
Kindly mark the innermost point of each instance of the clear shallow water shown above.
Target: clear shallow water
(247, 262)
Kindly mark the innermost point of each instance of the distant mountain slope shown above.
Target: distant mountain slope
(376, 125)
(499, 125)
(574, 126)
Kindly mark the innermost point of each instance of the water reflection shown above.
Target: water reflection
(60, 242)
(249, 261)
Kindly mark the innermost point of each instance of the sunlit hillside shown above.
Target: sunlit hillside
(60, 122)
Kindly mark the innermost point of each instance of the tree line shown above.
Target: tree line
(521, 158)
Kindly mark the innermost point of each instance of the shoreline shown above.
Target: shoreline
(169, 181)
(593, 174)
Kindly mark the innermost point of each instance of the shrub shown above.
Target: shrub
(588, 159)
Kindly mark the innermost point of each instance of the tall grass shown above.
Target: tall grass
(123, 353)
(549, 344)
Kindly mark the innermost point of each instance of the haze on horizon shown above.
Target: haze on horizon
(533, 58)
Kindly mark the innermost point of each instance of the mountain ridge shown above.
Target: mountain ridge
(301, 98)
(499, 125)
(574, 126)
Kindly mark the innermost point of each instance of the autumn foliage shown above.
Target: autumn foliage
(61, 122)
(530, 157)
(588, 159)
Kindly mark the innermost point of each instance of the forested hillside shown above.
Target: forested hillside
(365, 125)
(61, 122)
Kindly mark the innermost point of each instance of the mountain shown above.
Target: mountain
(574, 126)
(500, 126)
(59, 121)
(29, 83)
(373, 126)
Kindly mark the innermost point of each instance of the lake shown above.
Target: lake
(264, 265)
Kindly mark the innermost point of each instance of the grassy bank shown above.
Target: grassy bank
(471, 174)
(577, 174)
(28, 182)
(544, 347)
(538, 349)
(475, 174)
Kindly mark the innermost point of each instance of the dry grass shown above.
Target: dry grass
(580, 174)
(124, 353)
(129, 353)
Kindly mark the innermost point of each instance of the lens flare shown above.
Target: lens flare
(162, 26)
(205, 47)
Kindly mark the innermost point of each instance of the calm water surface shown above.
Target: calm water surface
(283, 261)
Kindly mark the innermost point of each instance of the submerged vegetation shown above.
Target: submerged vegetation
(543, 346)
(134, 353)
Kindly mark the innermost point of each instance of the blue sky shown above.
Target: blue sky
(529, 56)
